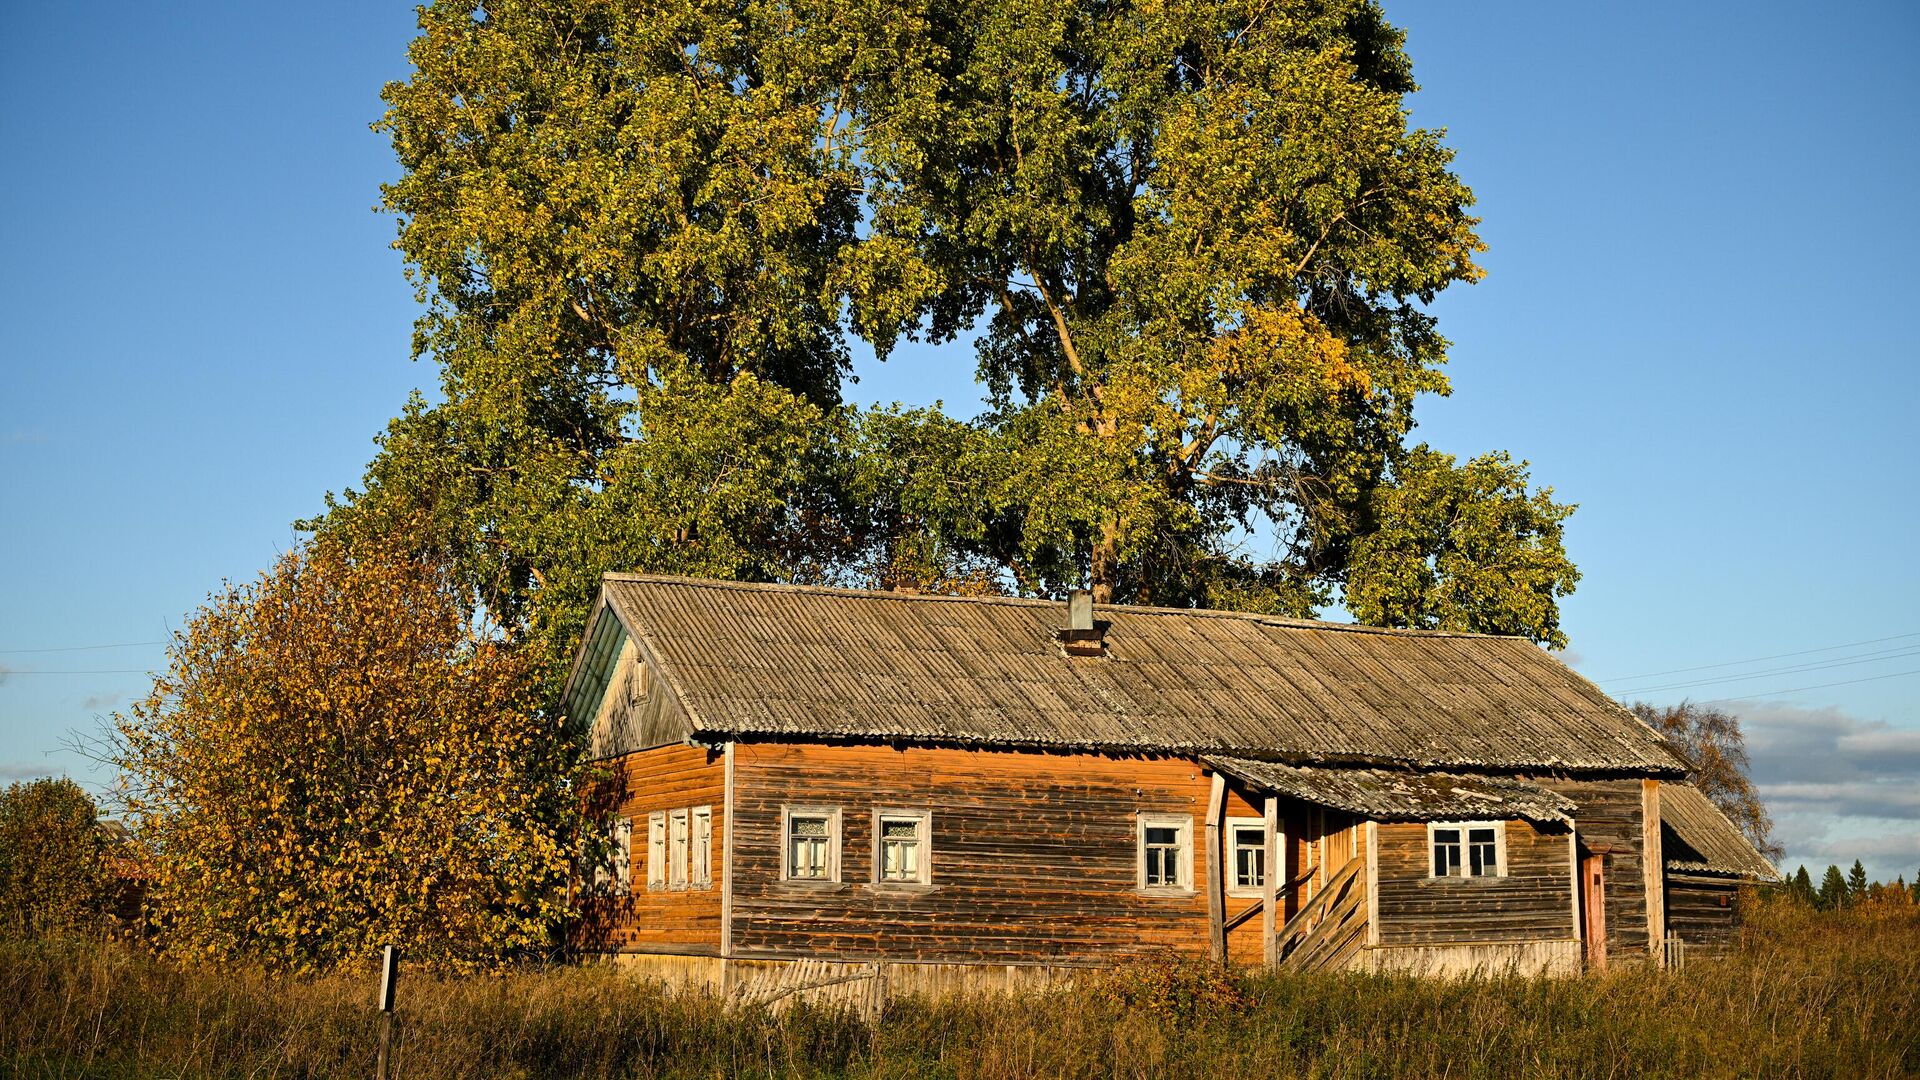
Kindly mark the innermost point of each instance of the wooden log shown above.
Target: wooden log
(1652, 865)
(1270, 883)
(1217, 870)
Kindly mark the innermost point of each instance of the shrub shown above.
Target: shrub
(340, 756)
(54, 878)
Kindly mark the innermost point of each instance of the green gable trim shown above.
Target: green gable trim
(608, 638)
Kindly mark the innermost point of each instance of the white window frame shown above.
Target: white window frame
(1235, 826)
(1499, 848)
(832, 814)
(614, 874)
(657, 850)
(700, 865)
(1143, 821)
(679, 840)
(923, 819)
(623, 855)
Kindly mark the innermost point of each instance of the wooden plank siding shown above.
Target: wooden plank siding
(1703, 909)
(1610, 817)
(1033, 855)
(677, 920)
(1530, 903)
(1034, 859)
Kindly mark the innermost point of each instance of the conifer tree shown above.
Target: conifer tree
(1801, 888)
(1833, 889)
(1857, 882)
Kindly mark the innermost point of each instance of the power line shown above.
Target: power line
(1890, 654)
(82, 648)
(7, 673)
(1756, 659)
(1821, 686)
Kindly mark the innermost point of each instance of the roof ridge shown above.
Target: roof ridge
(1284, 622)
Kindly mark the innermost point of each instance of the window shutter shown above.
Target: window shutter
(656, 849)
(700, 867)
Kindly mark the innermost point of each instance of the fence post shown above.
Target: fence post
(389, 971)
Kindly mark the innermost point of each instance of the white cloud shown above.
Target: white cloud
(15, 770)
(1840, 788)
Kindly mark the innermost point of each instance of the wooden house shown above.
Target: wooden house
(815, 785)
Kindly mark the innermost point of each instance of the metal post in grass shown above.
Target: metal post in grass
(389, 971)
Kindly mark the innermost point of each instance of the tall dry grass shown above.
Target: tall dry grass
(1806, 994)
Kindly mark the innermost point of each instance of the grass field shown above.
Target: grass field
(1805, 995)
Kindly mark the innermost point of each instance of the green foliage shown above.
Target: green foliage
(1857, 882)
(339, 757)
(1193, 241)
(1833, 890)
(1462, 548)
(1800, 888)
(1806, 994)
(54, 870)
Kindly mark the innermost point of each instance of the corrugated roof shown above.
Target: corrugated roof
(1697, 837)
(1398, 795)
(777, 660)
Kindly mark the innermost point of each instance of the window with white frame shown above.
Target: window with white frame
(623, 855)
(1246, 856)
(902, 842)
(699, 867)
(610, 867)
(1468, 849)
(657, 849)
(810, 845)
(679, 837)
(1165, 853)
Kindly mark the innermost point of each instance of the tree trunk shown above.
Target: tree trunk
(1105, 566)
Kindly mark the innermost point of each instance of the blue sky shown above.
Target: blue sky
(1697, 325)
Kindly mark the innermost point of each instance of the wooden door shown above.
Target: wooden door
(1593, 907)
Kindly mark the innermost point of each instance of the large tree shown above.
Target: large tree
(1715, 749)
(341, 756)
(1192, 241)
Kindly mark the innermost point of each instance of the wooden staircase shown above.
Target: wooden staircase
(1331, 928)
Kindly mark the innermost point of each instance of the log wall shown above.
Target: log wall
(1533, 902)
(1610, 815)
(1702, 909)
(1033, 856)
(677, 920)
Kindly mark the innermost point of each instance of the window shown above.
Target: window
(1468, 848)
(810, 850)
(1247, 856)
(679, 832)
(610, 873)
(656, 850)
(901, 847)
(623, 855)
(699, 868)
(1166, 853)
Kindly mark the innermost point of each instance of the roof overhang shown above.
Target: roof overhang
(1390, 795)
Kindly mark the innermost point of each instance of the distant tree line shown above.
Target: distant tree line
(1840, 890)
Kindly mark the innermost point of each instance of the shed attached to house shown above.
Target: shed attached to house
(1711, 868)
